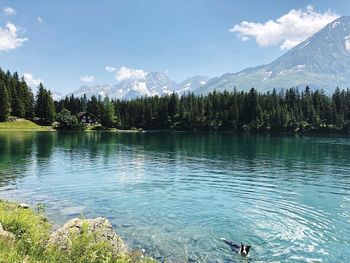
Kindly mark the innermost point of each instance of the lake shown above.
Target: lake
(176, 194)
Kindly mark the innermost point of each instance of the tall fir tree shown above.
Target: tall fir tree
(45, 108)
(108, 115)
(4, 103)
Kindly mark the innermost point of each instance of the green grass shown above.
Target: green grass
(32, 231)
(22, 125)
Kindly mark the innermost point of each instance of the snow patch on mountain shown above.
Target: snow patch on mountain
(304, 45)
(152, 84)
(56, 95)
(321, 61)
(347, 44)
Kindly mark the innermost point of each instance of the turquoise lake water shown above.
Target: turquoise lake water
(175, 195)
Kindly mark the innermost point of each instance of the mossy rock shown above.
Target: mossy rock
(95, 230)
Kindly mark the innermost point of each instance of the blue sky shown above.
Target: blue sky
(68, 44)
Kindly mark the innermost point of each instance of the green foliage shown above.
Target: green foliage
(31, 230)
(45, 108)
(67, 121)
(4, 103)
(32, 233)
(94, 107)
(289, 110)
(108, 114)
(41, 207)
(21, 99)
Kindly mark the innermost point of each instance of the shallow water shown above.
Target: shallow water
(175, 195)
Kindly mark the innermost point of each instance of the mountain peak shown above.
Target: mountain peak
(156, 74)
(321, 61)
(345, 19)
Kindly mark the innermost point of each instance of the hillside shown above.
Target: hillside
(22, 125)
(321, 61)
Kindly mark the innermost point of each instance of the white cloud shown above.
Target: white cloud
(9, 39)
(287, 31)
(9, 11)
(87, 78)
(31, 81)
(110, 69)
(129, 73)
(39, 19)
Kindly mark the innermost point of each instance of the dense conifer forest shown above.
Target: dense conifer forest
(18, 100)
(288, 110)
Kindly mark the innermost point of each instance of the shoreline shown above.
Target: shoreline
(23, 125)
(26, 235)
(275, 133)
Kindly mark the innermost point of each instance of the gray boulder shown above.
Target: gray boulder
(100, 229)
(6, 235)
(23, 205)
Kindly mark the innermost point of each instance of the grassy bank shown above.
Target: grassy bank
(22, 125)
(30, 233)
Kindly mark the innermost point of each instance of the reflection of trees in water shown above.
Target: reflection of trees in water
(44, 143)
(20, 149)
(90, 144)
(247, 146)
(16, 150)
(257, 153)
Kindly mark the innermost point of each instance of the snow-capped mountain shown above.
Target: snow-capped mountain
(158, 83)
(97, 90)
(154, 83)
(56, 95)
(321, 61)
(192, 84)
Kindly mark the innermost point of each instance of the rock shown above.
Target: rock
(23, 205)
(99, 228)
(6, 235)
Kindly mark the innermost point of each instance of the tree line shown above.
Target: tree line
(287, 110)
(18, 100)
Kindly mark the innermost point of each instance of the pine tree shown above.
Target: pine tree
(173, 107)
(45, 107)
(93, 108)
(28, 100)
(281, 111)
(108, 114)
(4, 103)
(19, 94)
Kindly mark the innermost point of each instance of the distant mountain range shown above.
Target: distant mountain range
(154, 83)
(321, 61)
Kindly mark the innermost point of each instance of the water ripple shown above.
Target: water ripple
(177, 195)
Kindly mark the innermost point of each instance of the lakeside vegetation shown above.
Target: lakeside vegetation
(25, 238)
(290, 110)
(286, 111)
(22, 125)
